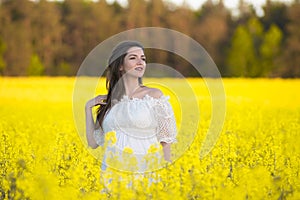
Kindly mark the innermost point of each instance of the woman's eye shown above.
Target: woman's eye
(133, 58)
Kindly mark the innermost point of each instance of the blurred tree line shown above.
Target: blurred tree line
(53, 38)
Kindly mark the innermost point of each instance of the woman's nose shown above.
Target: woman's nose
(140, 61)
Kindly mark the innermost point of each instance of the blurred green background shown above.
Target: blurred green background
(52, 38)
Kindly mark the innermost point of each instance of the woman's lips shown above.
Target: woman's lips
(139, 68)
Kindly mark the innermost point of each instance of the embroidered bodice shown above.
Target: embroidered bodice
(139, 123)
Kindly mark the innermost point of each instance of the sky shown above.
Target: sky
(231, 4)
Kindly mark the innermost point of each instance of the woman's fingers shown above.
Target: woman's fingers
(100, 99)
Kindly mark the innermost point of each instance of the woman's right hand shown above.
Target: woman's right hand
(98, 100)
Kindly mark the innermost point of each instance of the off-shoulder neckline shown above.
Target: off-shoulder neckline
(144, 98)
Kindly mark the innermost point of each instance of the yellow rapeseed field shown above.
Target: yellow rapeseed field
(257, 155)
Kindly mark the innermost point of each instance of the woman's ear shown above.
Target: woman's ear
(121, 68)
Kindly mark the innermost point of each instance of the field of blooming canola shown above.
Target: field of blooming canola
(257, 155)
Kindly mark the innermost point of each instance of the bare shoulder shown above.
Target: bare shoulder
(154, 92)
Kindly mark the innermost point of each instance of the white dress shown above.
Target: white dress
(139, 124)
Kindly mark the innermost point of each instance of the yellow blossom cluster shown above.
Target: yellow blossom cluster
(257, 155)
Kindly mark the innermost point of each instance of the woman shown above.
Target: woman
(141, 117)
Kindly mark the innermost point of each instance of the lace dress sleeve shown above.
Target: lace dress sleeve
(99, 136)
(166, 130)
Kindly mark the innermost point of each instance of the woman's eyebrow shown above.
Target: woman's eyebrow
(136, 55)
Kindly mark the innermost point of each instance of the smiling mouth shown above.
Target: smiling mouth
(139, 69)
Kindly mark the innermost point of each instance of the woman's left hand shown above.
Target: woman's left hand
(98, 100)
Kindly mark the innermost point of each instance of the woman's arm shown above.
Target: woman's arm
(166, 122)
(167, 151)
(90, 125)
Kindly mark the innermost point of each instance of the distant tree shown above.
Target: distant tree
(2, 61)
(291, 53)
(47, 33)
(256, 30)
(241, 54)
(36, 67)
(181, 19)
(270, 50)
(212, 30)
(275, 13)
(157, 13)
(78, 34)
(244, 55)
(16, 18)
(136, 15)
(157, 17)
(65, 69)
(244, 13)
(105, 20)
(73, 19)
(62, 33)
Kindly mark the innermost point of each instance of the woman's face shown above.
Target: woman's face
(134, 62)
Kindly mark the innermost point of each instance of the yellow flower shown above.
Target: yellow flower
(128, 150)
(153, 149)
(111, 137)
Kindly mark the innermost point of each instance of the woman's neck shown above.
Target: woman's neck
(131, 85)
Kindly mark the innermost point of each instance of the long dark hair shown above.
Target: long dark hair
(114, 86)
